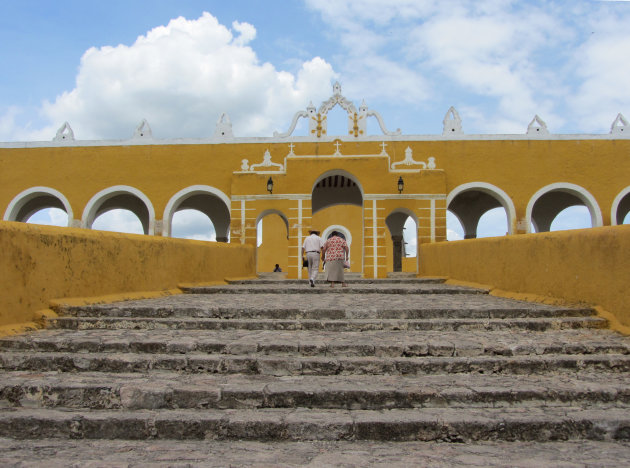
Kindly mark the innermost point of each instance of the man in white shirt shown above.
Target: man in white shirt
(312, 247)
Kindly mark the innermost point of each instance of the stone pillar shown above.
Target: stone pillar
(222, 239)
(397, 252)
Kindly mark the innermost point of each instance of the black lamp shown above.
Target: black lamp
(401, 184)
(270, 185)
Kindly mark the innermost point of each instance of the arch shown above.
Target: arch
(273, 211)
(336, 187)
(193, 197)
(31, 200)
(120, 197)
(485, 197)
(338, 227)
(620, 207)
(274, 249)
(395, 222)
(569, 194)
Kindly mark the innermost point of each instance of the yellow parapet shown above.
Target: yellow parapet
(42, 263)
(587, 266)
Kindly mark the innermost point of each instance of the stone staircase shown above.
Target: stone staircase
(382, 360)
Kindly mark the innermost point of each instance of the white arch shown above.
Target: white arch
(27, 195)
(176, 199)
(581, 193)
(406, 211)
(89, 213)
(338, 227)
(492, 190)
(615, 205)
(271, 212)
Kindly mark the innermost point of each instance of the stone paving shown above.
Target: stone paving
(71, 453)
(280, 374)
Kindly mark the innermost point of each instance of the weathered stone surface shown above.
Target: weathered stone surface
(55, 453)
(405, 362)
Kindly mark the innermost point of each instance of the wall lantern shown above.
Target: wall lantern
(401, 184)
(270, 185)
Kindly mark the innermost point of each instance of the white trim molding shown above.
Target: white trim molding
(89, 212)
(615, 205)
(175, 200)
(580, 192)
(32, 193)
(502, 197)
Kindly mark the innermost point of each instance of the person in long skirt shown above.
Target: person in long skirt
(335, 252)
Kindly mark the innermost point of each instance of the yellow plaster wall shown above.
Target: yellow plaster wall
(40, 263)
(587, 266)
(275, 245)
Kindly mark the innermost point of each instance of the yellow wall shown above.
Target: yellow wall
(275, 245)
(519, 167)
(40, 263)
(588, 265)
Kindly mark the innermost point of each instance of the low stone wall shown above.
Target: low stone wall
(583, 266)
(41, 263)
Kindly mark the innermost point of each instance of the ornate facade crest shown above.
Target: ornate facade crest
(318, 118)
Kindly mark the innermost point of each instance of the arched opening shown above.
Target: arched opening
(571, 205)
(573, 217)
(337, 200)
(272, 240)
(336, 188)
(198, 203)
(49, 217)
(192, 224)
(493, 223)
(123, 205)
(620, 212)
(118, 220)
(481, 209)
(454, 227)
(403, 230)
(40, 205)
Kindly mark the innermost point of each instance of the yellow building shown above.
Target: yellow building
(366, 186)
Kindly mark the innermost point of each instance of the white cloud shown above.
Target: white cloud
(508, 60)
(192, 224)
(601, 63)
(181, 77)
(118, 221)
(50, 217)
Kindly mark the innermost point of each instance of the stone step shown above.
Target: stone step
(172, 390)
(326, 306)
(355, 288)
(295, 313)
(322, 282)
(61, 453)
(427, 424)
(119, 323)
(308, 365)
(313, 343)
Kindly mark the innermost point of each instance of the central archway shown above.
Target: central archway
(336, 187)
(337, 200)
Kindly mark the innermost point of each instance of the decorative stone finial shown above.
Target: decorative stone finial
(620, 125)
(223, 129)
(537, 127)
(64, 133)
(143, 130)
(452, 123)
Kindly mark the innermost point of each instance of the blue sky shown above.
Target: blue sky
(104, 66)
